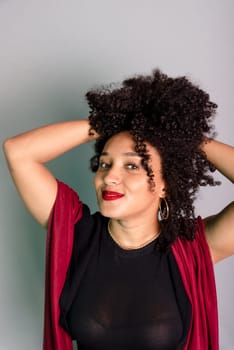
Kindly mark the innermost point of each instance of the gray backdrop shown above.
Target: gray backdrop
(51, 53)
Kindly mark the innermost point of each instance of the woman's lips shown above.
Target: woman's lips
(111, 195)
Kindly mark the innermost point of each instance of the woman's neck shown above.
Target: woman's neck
(133, 235)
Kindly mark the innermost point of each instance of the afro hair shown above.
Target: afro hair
(173, 115)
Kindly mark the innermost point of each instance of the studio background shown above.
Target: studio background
(51, 53)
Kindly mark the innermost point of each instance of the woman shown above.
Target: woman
(139, 273)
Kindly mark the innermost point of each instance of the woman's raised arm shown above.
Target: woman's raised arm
(221, 156)
(27, 154)
(220, 227)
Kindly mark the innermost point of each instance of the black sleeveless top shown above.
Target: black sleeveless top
(123, 299)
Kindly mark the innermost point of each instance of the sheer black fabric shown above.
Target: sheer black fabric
(126, 299)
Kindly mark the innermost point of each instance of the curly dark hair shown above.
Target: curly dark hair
(174, 116)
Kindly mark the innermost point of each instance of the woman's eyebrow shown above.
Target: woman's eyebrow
(128, 154)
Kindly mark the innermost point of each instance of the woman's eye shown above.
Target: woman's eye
(132, 166)
(104, 165)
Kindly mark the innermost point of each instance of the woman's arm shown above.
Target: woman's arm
(26, 155)
(220, 227)
(221, 156)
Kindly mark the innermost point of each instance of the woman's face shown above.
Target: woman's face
(122, 185)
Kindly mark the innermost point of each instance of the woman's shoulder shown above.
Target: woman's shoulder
(67, 203)
(89, 224)
(193, 249)
(72, 211)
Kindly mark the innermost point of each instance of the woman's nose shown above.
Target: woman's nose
(112, 176)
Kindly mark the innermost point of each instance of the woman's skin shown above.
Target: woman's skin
(134, 215)
(27, 154)
(219, 228)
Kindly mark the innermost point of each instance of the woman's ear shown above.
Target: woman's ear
(163, 193)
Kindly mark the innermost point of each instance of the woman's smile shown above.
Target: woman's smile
(111, 195)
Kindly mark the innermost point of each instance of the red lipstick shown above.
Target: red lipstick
(111, 195)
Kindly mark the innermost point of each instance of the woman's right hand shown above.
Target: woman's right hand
(27, 154)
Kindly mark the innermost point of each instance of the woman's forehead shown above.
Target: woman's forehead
(123, 143)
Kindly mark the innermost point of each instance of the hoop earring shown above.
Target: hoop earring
(164, 210)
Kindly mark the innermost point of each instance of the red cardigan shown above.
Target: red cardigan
(193, 260)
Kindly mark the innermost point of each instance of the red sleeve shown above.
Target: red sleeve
(197, 273)
(66, 212)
